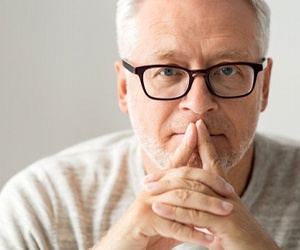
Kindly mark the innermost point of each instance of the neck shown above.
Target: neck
(239, 175)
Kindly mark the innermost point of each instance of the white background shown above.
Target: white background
(58, 84)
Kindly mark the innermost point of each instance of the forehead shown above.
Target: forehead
(195, 28)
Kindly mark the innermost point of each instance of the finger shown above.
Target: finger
(181, 155)
(207, 152)
(180, 232)
(195, 201)
(191, 179)
(185, 149)
(198, 219)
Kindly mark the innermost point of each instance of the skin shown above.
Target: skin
(209, 38)
(199, 137)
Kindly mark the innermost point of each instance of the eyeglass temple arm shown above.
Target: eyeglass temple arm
(129, 67)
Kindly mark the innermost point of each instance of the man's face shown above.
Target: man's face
(195, 34)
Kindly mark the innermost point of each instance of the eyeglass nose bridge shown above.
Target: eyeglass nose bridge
(198, 72)
(204, 73)
(201, 72)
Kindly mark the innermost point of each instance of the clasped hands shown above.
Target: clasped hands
(191, 205)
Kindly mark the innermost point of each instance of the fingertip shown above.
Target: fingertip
(191, 135)
(227, 207)
(207, 151)
(229, 188)
(199, 122)
(152, 177)
(185, 149)
(201, 126)
(148, 178)
(150, 187)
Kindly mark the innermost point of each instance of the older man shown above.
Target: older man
(194, 79)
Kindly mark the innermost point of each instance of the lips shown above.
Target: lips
(211, 135)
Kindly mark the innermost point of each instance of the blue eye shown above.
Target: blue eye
(228, 71)
(168, 72)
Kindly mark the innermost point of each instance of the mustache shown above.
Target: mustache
(215, 125)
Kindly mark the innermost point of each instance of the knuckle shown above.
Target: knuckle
(175, 227)
(175, 212)
(196, 186)
(183, 195)
(167, 184)
(192, 214)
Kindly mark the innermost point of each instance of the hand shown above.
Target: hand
(143, 228)
(237, 229)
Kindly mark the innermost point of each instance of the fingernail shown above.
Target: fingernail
(157, 206)
(189, 129)
(198, 123)
(227, 206)
(148, 178)
(189, 136)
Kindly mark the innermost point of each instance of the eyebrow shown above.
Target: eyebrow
(219, 55)
(165, 54)
(230, 54)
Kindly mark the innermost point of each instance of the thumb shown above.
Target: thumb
(209, 157)
(185, 149)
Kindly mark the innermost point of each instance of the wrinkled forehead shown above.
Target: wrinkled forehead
(170, 25)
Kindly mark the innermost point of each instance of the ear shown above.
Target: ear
(266, 85)
(122, 86)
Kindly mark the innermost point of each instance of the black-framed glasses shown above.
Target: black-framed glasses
(226, 80)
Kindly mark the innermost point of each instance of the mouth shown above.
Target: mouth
(212, 136)
(219, 140)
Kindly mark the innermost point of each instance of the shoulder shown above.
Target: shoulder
(276, 141)
(76, 169)
(277, 159)
(57, 187)
(96, 155)
(102, 143)
(273, 192)
(277, 149)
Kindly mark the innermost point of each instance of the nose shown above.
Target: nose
(199, 99)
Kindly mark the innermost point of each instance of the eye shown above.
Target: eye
(228, 70)
(168, 72)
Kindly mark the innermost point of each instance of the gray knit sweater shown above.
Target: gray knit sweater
(67, 201)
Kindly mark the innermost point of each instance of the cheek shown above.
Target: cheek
(244, 115)
(148, 117)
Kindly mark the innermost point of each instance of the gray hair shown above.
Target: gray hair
(127, 32)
